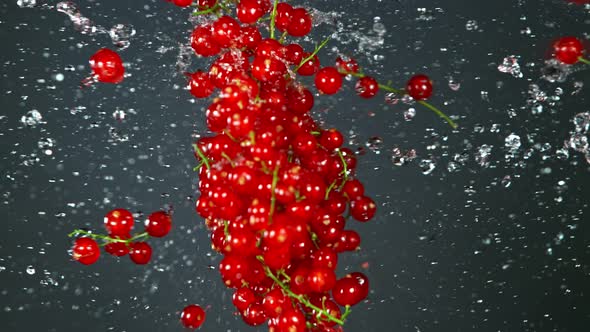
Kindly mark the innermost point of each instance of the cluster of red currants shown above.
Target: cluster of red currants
(569, 50)
(276, 189)
(119, 241)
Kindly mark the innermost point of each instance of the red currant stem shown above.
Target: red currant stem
(347, 312)
(230, 136)
(106, 238)
(299, 298)
(317, 49)
(273, 198)
(273, 16)
(201, 155)
(252, 136)
(315, 133)
(332, 185)
(285, 275)
(226, 228)
(344, 171)
(207, 11)
(226, 157)
(388, 88)
(283, 36)
(583, 60)
(198, 167)
(314, 239)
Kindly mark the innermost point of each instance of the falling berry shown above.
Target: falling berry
(107, 66)
(192, 316)
(328, 80)
(118, 222)
(419, 87)
(140, 253)
(568, 50)
(158, 224)
(85, 251)
(367, 87)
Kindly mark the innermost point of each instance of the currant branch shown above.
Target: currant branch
(583, 60)
(273, 16)
(106, 238)
(273, 198)
(314, 53)
(344, 171)
(201, 155)
(321, 312)
(389, 88)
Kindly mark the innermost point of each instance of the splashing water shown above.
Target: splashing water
(510, 66)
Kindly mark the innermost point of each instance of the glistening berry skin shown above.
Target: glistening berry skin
(419, 87)
(86, 251)
(107, 66)
(192, 316)
(568, 50)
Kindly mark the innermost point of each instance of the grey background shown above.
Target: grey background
(447, 252)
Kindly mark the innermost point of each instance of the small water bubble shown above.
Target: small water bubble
(409, 114)
(578, 86)
(399, 158)
(471, 25)
(510, 66)
(427, 166)
(26, 3)
(30, 270)
(391, 98)
(407, 99)
(582, 122)
(375, 144)
(483, 154)
(77, 109)
(579, 142)
(506, 181)
(512, 142)
(555, 71)
(119, 115)
(453, 167)
(32, 118)
(454, 84)
(120, 34)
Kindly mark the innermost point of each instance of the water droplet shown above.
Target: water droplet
(26, 3)
(579, 142)
(120, 34)
(483, 154)
(471, 25)
(32, 118)
(375, 144)
(582, 122)
(454, 84)
(555, 71)
(512, 142)
(427, 165)
(409, 114)
(510, 66)
(506, 181)
(30, 270)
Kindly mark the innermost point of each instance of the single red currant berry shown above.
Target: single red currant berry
(183, 3)
(225, 31)
(324, 257)
(107, 66)
(328, 80)
(202, 41)
(274, 303)
(331, 139)
(294, 53)
(85, 251)
(367, 87)
(310, 66)
(419, 87)
(268, 69)
(568, 50)
(118, 222)
(206, 4)
(292, 320)
(249, 11)
(353, 189)
(158, 224)
(347, 291)
(140, 253)
(347, 66)
(283, 18)
(200, 84)
(254, 315)
(192, 316)
(243, 297)
(362, 208)
(321, 279)
(300, 24)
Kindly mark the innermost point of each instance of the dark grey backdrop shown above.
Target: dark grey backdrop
(448, 251)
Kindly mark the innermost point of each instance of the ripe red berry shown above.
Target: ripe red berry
(268, 69)
(328, 80)
(362, 208)
(140, 253)
(158, 224)
(367, 87)
(353, 189)
(183, 3)
(249, 11)
(321, 279)
(294, 53)
(254, 315)
(107, 66)
(568, 50)
(348, 65)
(243, 297)
(419, 87)
(331, 139)
(202, 41)
(348, 291)
(192, 316)
(85, 251)
(200, 84)
(206, 4)
(118, 222)
(225, 31)
(283, 17)
(118, 249)
(300, 23)
(310, 66)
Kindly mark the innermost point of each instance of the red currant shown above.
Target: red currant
(118, 222)
(328, 80)
(568, 50)
(192, 316)
(300, 23)
(225, 31)
(200, 84)
(140, 253)
(158, 224)
(249, 11)
(419, 87)
(362, 208)
(183, 3)
(85, 251)
(367, 87)
(107, 66)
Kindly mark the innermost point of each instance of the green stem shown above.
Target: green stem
(198, 167)
(431, 107)
(106, 238)
(273, 16)
(332, 185)
(273, 198)
(317, 49)
(201, 155)
(582, 60)
(226, 157)
(207, 11)
(344, 171)
(283, 36)
(299, 298)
